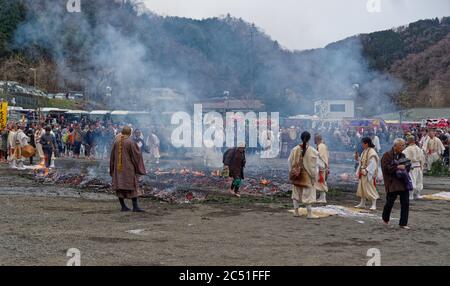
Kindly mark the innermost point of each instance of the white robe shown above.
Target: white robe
(37, 141)
(433, 149)
(417, 157)
(366, 186)
(322, 167)
(20, 141)
(305, 195)
(376, 142)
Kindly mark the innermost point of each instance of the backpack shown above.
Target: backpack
(226, 160)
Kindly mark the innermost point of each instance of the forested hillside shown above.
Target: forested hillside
(119, 44)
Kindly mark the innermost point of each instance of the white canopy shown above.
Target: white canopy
(100, 112)
(124, 112)
(120, 112)
(77, 112)
(50, 109)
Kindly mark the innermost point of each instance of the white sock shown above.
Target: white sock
(296, 204)
(323, 196)
(374, 204)
(362, 203)
(309, 210)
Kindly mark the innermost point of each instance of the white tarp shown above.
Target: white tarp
(332, 210)
(443, 196)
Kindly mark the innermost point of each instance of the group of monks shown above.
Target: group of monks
(315, 161)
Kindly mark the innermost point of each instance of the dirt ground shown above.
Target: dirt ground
(38, 224)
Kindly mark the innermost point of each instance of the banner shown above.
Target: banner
(3, 114)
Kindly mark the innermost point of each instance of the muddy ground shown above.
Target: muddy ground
(39, 223)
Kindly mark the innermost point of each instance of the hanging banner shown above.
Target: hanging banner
(3, 114)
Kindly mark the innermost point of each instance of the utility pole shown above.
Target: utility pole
(35, 76)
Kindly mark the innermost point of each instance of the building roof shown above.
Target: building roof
(232, 104)
(417, 114)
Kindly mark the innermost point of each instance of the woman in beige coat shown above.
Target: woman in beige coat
(304, 191)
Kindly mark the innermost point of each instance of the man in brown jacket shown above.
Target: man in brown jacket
(126, 164)
(393, 185)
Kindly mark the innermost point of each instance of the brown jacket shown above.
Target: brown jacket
(391, 182)
(235, 160)
(126, 179)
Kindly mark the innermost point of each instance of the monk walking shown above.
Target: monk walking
(304, 157)
(126, 164)
(323, 169)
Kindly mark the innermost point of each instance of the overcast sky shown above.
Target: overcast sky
(306, 24)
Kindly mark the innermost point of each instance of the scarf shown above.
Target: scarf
(120, 153)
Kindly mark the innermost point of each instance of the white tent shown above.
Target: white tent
(77, 112)
(100, 112)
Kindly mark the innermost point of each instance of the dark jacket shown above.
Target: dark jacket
(391, 182)
(235, 160)
(48, 141)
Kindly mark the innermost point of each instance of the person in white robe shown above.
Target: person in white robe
(153, 143)
(306, 193)
(11, 143)
(376, 142)
(368, 171)
(20, 141)
(433, 148)
(417, 157)
(37, 142)
(322, 169)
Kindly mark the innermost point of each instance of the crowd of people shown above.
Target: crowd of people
(407, 153)
(401, 168)
(57, 138)
(348, 139)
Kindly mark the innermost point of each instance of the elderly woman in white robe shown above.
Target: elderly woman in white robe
(369, 170)
(303, 190)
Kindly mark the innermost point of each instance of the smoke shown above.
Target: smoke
(101, 50)
(116, 44)
(340, 71)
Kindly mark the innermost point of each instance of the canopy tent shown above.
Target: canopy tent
(100, 112)
(53, 109)
(77, 112)
(125, 112)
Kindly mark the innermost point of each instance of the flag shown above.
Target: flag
(3, 114)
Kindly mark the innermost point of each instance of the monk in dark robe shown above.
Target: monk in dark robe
(126, 164)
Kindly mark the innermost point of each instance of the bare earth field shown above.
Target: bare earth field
(39, 223)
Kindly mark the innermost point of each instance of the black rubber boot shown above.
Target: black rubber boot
(136, 208)
(123, 205)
